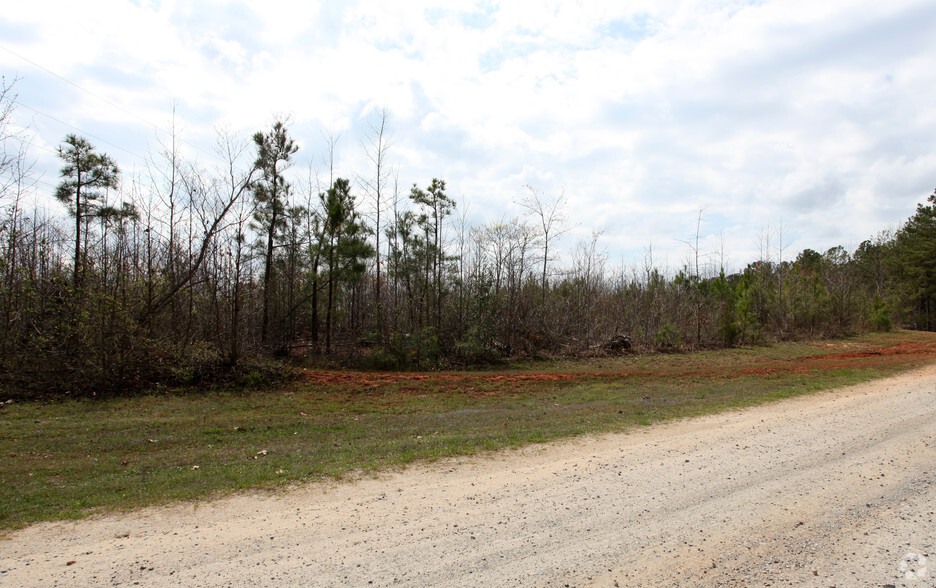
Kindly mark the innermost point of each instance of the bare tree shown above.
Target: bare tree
(695, 279)
(332, 140)
(376, 148)
(15, 172)
(165, 183)
(242, 211)
(781, 312)
(217, 200)
(551, 216)
(588, 274)
(15, 165)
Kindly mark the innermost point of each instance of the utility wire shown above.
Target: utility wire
(27, 180)
(71, 83)
(103, 140)
(102, 99)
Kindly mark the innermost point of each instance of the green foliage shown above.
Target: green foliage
(387, 358)
(406, 351)
(667, 337)
(344, 245)
(274, 152)
(259, 375)
(475, 350)
(253, 379)
(479, 343)
(85, 176)
(721, 295)
(196, 362)
(879, 315)
(914, 262)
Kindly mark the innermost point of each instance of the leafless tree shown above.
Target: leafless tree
(376, 147)
(214, 199)
(551, 217)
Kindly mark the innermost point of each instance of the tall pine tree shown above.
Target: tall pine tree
(84, 175)
(274, 152)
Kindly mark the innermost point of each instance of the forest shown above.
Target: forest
(187, 273)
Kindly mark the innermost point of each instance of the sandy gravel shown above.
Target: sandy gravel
(837, 489)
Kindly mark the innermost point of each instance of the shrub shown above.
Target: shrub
(667, 338)
(879, 315)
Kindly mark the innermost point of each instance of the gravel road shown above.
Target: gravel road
(836, 489)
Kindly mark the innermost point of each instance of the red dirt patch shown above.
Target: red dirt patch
(894, 350)
(365, 380)
(468, 382)
(375, 378)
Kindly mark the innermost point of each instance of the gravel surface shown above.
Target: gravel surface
(836, 489)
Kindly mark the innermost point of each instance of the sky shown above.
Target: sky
(761, 126)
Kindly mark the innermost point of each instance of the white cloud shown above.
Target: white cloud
(817, 113)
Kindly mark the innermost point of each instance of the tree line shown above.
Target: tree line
(187, 273)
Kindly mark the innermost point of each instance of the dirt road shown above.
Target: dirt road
(837, 489)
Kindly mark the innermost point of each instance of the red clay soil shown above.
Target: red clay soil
(369, 379)
(882, 357)
(918, 349)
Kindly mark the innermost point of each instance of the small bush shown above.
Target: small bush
(667, 338)
(391, 359)
(879, 315)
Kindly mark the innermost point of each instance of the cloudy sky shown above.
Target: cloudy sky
(817, 117)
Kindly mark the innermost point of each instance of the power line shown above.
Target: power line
(102, 99)
(71, 83)
(44, 148)
(28, 180)
(103, 140)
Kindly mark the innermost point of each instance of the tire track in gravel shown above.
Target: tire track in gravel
(831, 489)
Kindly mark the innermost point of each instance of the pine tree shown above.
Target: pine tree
(274, 151)
(85, 174)
(344, 244)
(916, 261)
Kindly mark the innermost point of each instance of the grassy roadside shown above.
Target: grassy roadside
(73, 458)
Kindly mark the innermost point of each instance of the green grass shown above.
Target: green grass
(72, 458)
